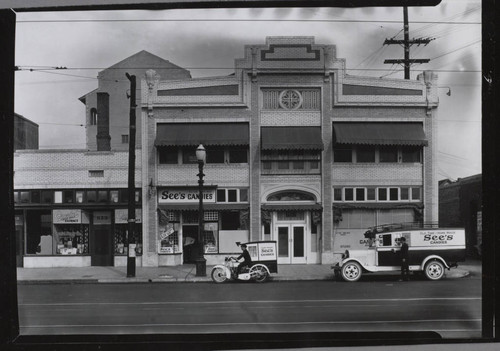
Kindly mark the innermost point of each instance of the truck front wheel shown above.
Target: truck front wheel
(351, 271)
(434, 270)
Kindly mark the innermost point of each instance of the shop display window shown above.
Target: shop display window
(210, 235)
(71, 239)
(168, 232)
(120, 239)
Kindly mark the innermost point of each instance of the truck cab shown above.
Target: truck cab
(432, 250)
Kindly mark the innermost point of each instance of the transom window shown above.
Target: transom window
(377, 194)
(291, 196)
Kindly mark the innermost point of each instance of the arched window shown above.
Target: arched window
(291, 196)
(93, 117)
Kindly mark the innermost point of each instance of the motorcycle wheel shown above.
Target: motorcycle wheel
(219, 275)
(259, 273)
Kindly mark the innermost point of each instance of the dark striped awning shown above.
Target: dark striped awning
(291, 138)
(379, 133)
(193, 134)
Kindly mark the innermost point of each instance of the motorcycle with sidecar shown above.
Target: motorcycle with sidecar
(264, 262)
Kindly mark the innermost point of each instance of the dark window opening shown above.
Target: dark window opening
(168, 155)
(238, 156)
(388, 154)
(230, 220)
(342, 155)
(365, 154)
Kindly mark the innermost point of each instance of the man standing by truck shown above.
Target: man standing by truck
(405, 268)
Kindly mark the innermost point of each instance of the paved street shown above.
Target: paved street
(450, 307)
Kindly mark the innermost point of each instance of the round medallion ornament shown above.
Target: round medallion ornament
(290, 99)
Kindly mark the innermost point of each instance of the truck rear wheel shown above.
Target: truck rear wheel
(434, 270)
(351, 271)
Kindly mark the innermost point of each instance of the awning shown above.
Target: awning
(380, 133)
(206, 207)
(291, 207)
(193, 134)
(291, 138)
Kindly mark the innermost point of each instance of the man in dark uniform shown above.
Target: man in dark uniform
(405, 269)
(247, 261)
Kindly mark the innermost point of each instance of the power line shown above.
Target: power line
(241, 20)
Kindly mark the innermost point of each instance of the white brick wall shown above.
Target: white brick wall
(378, 174)
(70, 169)
(234, 175)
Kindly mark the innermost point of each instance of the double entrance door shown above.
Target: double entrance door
(291, 243)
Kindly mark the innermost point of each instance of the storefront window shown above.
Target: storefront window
(38, 232)
(230, 220)
(71, 239)
(232, 195)
(210, 235)
(168, 232)
(121, 236)
(71, 232)
(16, 197)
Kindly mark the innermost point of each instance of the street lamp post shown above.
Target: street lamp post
(201, 262)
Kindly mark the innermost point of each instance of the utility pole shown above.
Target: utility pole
(407, 43)
(131, 180)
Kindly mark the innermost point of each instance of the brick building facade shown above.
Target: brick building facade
(327, 154)
(298, 152)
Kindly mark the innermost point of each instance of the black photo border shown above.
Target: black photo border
(10, 338)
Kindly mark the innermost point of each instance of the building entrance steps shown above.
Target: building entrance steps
(187, 273)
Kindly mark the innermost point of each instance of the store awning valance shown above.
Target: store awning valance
(292, 207)
(379, 133)
(291, 138)
(206, 207)
(208, 134)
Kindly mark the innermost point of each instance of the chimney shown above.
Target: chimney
(103, 137)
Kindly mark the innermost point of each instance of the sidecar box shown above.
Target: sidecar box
(264, 252)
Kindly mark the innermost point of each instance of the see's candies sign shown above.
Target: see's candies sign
(177, 196)
(438, 237)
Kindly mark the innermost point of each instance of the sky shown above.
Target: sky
(207, 41)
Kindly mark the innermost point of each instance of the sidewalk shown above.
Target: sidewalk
(187, 273)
